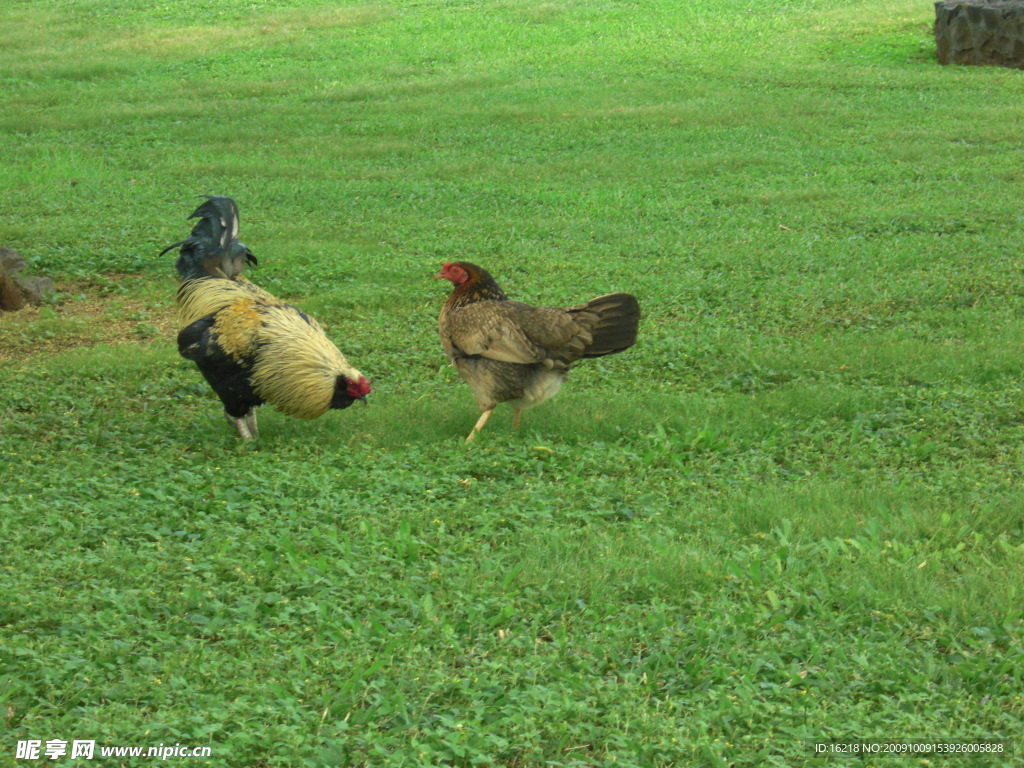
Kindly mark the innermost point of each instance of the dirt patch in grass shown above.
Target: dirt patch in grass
(85, 316)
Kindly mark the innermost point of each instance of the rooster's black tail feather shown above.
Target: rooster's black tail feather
(213, 249)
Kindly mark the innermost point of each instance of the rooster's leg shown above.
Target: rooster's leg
(240, 425)
(250, 423)
(515, 418)
(479, 424)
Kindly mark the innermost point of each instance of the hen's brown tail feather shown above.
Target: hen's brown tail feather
(614, 327)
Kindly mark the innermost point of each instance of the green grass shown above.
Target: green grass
(793, 512)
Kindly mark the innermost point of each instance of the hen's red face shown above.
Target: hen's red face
(451, 271)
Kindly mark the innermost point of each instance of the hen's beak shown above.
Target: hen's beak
(438, 276)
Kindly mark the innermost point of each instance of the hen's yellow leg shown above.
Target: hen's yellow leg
(479, 424)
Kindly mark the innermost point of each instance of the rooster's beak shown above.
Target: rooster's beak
(363, 399)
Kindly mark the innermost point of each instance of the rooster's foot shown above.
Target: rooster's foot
(241, 425)
(250, 423)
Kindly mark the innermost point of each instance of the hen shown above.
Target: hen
(250, 346)
(511, 352)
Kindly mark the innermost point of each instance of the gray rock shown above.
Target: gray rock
(11, 299)
(16, 290)
(981, 32)
(11, 261)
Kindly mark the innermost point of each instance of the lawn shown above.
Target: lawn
(793, 512)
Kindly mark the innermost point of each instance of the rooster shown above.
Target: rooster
(250, 346)
(511, 352)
